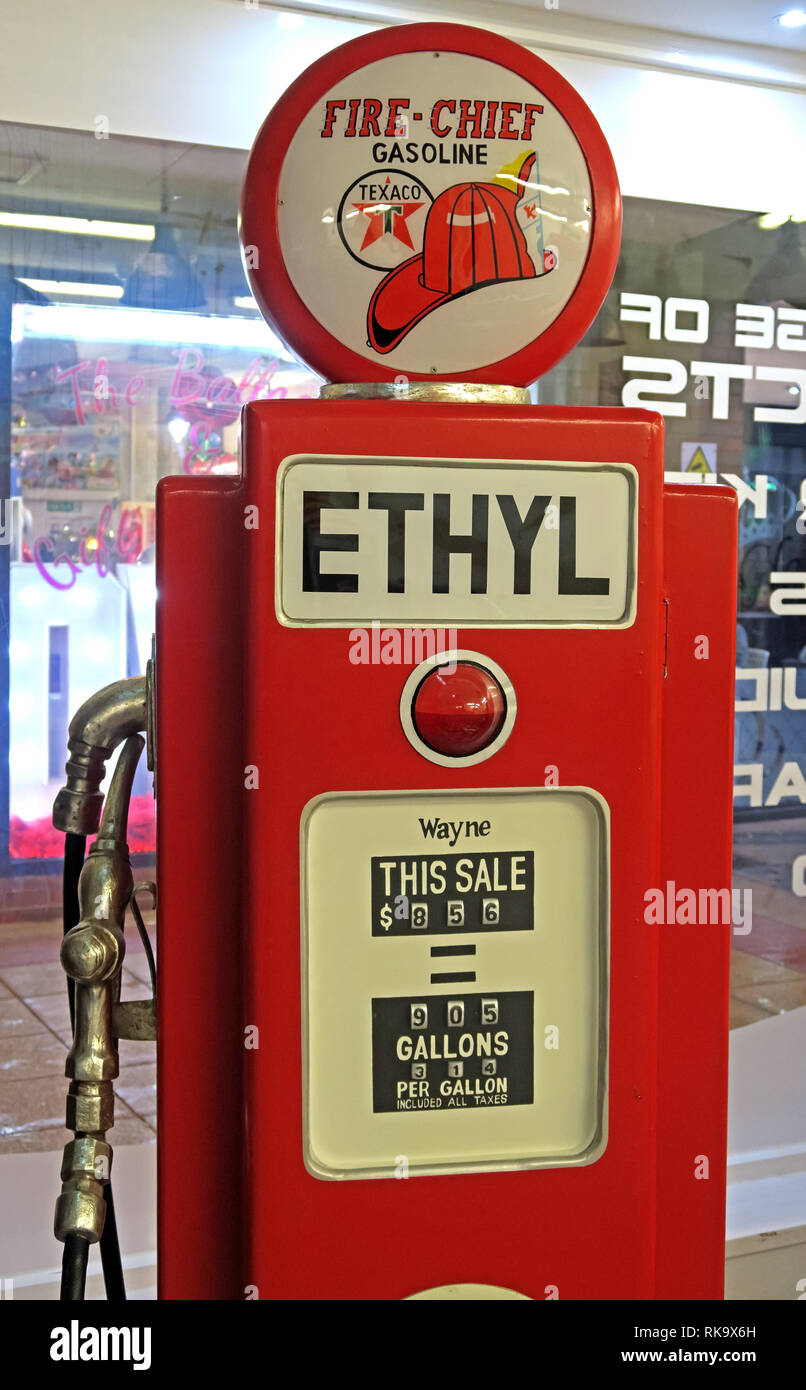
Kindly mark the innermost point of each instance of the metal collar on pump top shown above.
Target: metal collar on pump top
(430, 203)
(448, 392)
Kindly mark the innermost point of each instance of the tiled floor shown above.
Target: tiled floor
(768, 973)
(35, 1035)
(760, 986)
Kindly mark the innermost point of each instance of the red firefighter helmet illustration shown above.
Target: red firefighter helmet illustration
(473, 237)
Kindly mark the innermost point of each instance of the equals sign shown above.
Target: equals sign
(453, 977)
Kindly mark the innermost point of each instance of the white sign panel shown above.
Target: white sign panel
(421, 542)
(393, 209)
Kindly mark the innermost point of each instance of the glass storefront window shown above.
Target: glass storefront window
(706, 322)
(134, 343)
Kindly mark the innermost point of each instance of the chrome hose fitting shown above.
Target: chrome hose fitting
(81, 1205)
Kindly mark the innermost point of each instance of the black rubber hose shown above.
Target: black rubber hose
(74, 1266)
(110, 1253)
(74, 1269)
(74, 850)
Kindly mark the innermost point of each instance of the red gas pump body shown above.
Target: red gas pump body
(700, 550)
(240, 690)
(362, 1123)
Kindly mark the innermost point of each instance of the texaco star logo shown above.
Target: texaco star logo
(381, 218)
(387, 219)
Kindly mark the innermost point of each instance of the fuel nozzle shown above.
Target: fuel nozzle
(92, 957)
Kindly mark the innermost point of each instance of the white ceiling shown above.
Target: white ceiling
(702, 35)
(734, 21)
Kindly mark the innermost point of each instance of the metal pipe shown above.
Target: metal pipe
(115, 820)
(102, 722)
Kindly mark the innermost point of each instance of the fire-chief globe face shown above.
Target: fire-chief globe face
(430, 201)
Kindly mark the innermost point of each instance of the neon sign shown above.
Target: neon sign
(192, 384)
(94, 549)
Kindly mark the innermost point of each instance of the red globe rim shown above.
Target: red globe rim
(282, 306)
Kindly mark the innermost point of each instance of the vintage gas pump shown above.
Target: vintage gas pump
(425, 733)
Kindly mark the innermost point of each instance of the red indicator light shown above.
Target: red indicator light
(458, 710)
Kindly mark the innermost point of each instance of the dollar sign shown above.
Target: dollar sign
(386, 917)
